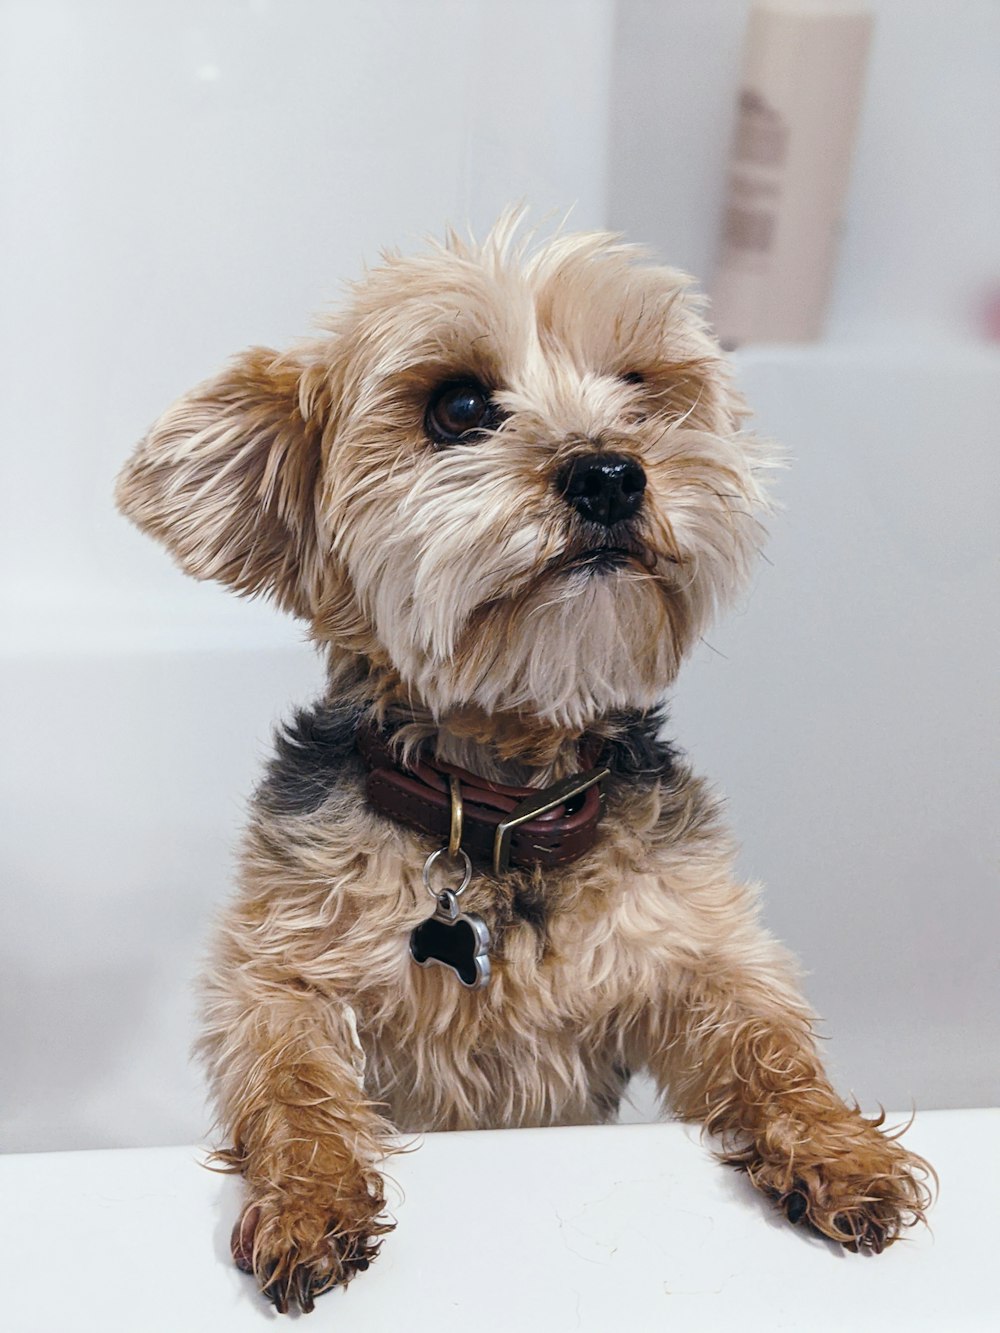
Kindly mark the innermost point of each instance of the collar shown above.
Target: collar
(499, 826)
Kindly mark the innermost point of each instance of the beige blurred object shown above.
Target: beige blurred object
(800, 97)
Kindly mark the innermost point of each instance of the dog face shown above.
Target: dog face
(515, 479)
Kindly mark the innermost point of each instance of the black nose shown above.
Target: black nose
(602, 488)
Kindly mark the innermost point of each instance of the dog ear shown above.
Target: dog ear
(227, 479)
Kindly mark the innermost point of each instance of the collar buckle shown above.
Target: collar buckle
(540, 803)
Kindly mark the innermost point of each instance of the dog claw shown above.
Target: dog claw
(302, 1285)
(277, 1293)
(796, 1206)
(297, 1289)
(870, 1239)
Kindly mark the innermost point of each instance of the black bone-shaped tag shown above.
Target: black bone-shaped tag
(450, 938)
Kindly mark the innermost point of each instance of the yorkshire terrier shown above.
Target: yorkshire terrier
(506, 488)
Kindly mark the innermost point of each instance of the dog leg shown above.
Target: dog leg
(285, 1064)
(733, 1047)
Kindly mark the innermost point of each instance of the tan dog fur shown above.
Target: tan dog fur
(438, 580)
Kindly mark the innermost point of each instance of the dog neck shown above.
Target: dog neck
(506, 748)
(511, 748)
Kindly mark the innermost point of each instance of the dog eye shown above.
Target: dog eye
(632, 377)
(457, 410)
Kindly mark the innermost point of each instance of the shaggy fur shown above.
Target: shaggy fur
(462, 608)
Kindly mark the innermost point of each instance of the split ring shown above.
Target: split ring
(463, 856)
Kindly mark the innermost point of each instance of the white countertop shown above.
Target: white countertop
(629, 1227)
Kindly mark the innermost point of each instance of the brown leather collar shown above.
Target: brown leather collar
(499, 825)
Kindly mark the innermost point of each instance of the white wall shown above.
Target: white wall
(193, 177)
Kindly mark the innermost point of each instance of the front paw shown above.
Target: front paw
(860, 1188)
(298, 1246)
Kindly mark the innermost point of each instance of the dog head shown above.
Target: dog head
(515, 478)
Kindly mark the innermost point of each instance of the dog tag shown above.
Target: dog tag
(456, 939)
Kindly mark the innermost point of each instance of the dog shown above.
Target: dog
(507, 487)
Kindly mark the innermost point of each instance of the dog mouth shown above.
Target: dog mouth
(599, 559)
(604, 559)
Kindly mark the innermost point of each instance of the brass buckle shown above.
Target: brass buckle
(540, 803)
(457, 811)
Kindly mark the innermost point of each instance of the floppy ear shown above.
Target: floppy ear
(227, 480)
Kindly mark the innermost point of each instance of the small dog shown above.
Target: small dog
(506, 489)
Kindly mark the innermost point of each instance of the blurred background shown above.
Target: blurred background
(183, 178)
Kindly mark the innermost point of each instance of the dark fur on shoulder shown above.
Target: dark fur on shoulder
(314, 753)
(638, 753)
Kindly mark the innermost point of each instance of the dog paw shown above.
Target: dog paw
(297, 1249)
(862, 1189)
(862, 1216)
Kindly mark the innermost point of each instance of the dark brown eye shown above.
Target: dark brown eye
(632, 377)
(459, 409)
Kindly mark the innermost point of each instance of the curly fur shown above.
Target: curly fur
(448, 589)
